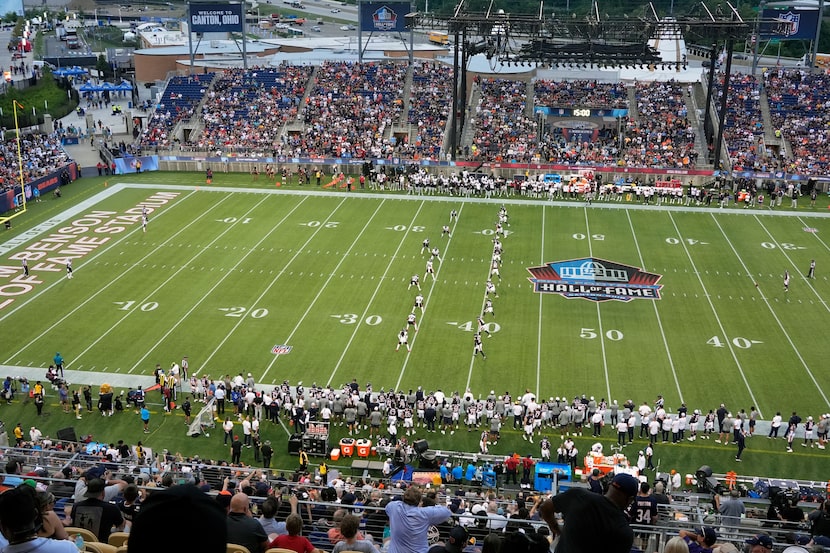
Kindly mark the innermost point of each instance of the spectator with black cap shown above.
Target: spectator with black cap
(200, 517)
(95, 513)
(699, 540)
(760, 543)
(593, 522)
(458, 540)
(19, 522)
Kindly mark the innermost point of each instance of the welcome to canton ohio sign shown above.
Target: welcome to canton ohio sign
(595, 279)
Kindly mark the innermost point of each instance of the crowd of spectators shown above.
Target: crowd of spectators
(661, 134)
(580, 93)
(41, 154)
(430, 103)
(246, 109)
(504, 129)
(349, 110)
(799, 103)
(744, 124)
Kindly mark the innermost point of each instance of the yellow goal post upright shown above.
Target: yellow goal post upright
(20, 204)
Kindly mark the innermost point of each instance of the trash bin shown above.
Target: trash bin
(129, 105)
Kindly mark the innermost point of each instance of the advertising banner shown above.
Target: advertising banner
(216, 18)
(789, 24)
(384, 17)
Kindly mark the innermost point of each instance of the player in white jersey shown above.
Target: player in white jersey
(415, 281)
(144, 223)
(488, 307)
(419, 303)
(445, 231)
(453, 216)
(403, 340)
(500, 229)
(497, 257)
(412, 321)
(491, 289)
(425, 245)
(430, 270)
(494, 269)
(436, 254)
(69, 268)
(482, 327)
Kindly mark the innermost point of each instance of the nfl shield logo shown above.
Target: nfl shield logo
(790, 23)
(281, 349)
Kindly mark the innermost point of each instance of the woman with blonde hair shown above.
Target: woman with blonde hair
(51, 525)
(676, 545)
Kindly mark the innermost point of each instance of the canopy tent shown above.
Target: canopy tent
(69, 71)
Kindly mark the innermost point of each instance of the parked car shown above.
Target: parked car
(316, 29)
(335, 10)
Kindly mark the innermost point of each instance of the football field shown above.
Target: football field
(315, 287)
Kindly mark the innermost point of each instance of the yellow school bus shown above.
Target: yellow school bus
(437, 37)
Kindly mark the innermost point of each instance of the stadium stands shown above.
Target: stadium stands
(178, 102)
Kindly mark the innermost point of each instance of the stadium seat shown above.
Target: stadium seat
(85, 534)
(236, 548)
(118, 538)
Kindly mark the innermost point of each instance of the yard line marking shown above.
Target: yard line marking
(375, 293)
(428, 297)
(163, 284)
(539, 322)
(106, 286)
(601, 332)
(774, 316)
(480, 310)
(325, 284)
(714, 311)
(99, 253)
(218, 282)
(656, 312)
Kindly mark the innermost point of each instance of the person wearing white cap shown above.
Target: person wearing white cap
(809, 428)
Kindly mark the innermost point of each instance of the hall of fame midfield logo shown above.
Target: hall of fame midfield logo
(595, 279)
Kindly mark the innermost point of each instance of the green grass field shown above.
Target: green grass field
(222, 276)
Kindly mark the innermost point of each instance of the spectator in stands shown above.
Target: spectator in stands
(349, 527)
(593, 522)
(243, 529)
(700, 540)
(731, 509)
(409, 522)
(676, 545)
(19, 521)
(51, 525)
(294, 540)
(200, 517)
(95, 513)
(760, 543)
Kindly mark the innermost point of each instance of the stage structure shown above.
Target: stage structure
(591, 40)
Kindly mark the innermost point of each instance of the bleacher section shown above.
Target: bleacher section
(744, 123)
(662, 136)
(799, 103)
(350, 109)
(429, 109)
(178, 102)
(246, 110)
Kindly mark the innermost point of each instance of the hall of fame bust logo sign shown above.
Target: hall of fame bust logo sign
(595, 279)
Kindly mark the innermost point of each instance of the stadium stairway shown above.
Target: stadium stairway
(469, 130)
(297, 123)
(633, 112)
(694, 118)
